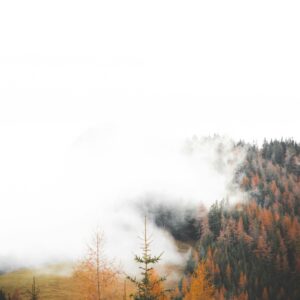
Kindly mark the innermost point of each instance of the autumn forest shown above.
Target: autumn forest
(245, 249)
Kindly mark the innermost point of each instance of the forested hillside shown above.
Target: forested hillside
(251, 250)
(246, 249)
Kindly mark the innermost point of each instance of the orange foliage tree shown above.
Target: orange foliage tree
(94, 274)
(200, 286)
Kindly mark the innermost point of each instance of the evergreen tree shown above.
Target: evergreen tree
(34, 292)
(2, 295)
(149, 287)
(215, 219)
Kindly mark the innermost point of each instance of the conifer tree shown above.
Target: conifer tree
(149, 287)
(200, 287)
(125, 291)
(34, 292)
(2, 295)
(94, 274)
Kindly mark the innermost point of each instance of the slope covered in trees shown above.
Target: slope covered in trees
(249, 249)
(252, 249)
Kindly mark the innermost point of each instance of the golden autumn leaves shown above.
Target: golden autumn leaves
(94, 276)
(97, 278)
(200, 287)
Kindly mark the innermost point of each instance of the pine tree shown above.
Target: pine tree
(149, 287)
(34, 292)
(125, 291)
(2, 295)
(215, 219)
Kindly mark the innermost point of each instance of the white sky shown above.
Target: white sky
(225, 66)
(151, 68)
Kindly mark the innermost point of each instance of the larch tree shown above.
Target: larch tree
(16, 295)
(200, 286)
(95, 273)
(265, 295)
(125, 291)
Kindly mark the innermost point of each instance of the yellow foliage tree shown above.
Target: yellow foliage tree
(158, 289)
(94, 275)
(200, 287)
(184, 286)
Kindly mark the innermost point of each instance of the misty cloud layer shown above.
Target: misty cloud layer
(104, 174)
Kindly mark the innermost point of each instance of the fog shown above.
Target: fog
(55, 200)
(98, 99)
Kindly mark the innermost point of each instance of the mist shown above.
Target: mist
(100, 179)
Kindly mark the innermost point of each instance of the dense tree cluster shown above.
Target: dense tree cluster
(251, 250)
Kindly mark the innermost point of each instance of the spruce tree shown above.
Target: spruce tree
(34, 292)
(2, 295)
(147, 285)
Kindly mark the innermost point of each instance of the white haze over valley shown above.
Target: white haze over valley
(96, 182)
(98, 99)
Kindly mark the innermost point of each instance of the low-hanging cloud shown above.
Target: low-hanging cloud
(105, 173)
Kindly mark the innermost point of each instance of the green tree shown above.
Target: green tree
(34, 292)
(215, 219)
(2, 295)
(147, 286)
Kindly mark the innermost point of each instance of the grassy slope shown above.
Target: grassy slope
(52, 281)
(55, 282)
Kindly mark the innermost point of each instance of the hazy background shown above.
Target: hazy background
(97, 98)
